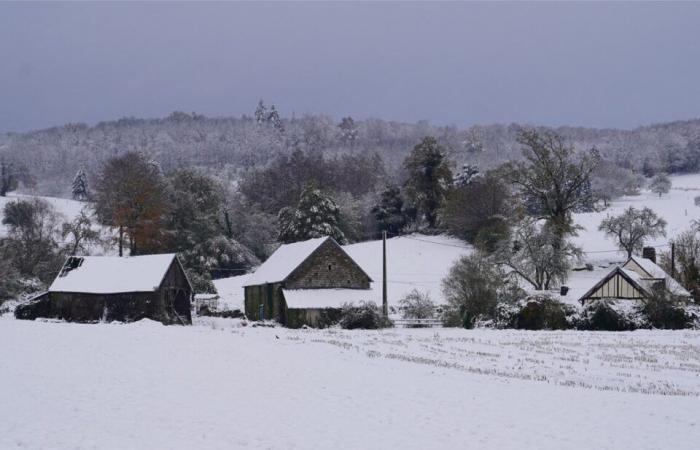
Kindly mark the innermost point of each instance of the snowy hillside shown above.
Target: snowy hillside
(218, 385)
(69, 209)
(677, 208)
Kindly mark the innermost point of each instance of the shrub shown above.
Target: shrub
(471, 290)
(665, 311)
(365, 316)
(603, 315)
(417, 305)
(542, 312)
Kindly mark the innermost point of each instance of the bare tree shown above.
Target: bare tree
(631, 228)
(537, 255)
(554, 180)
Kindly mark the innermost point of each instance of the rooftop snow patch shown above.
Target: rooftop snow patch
(328, 298)
(112, 274)
(283, 261)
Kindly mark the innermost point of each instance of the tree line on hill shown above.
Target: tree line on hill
(229, 147)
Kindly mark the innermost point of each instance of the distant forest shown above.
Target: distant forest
(231, 147)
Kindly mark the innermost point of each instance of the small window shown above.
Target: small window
(329, 267)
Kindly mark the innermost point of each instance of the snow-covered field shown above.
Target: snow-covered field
(220, 385)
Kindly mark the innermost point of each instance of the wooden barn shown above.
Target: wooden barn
(636, 279)
(306, 283)
(102, 288)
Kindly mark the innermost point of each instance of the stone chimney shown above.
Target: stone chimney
(649, 253)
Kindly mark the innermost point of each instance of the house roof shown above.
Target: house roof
(286, 259)
(655, 272)
(642, 282)
(328, 298)
(112, 274)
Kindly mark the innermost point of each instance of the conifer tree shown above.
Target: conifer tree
(315, 216)
(80, 186)
(429, 177)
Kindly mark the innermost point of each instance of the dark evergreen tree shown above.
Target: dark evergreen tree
(429, 177)
(389, 212)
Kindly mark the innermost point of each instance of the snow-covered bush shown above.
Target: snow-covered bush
(606, 315)
(365, 316)
(417, 305)
(542, 312)
(663, 310)
(473, 290)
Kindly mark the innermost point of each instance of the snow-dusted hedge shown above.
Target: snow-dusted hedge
(366, 316)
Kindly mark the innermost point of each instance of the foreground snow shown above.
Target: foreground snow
(220, 385)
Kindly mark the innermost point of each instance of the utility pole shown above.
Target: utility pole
(673, 260)
(385, 302)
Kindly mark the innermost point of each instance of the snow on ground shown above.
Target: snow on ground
(413, 262)
(220, 385)
(230, 292)
(677, 208)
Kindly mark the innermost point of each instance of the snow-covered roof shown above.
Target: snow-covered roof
(328, 298)
(656, 272)
(112, 274)
(283, 261)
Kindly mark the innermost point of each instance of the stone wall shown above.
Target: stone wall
(328, 267)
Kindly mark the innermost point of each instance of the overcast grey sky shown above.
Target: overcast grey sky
(603, 65)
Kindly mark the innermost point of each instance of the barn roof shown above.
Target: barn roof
(328, 298)
(112, 274)
(286, 259)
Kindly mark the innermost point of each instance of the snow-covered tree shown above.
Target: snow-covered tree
(348, 131)
(81, 232)
(80, 188)
(472, 289)
(417, 305)
(466, 175)
(538, 255)
(429, 177)
(660, 184)
(631, 228)
(261, 113)
(273, 118)
(316, 215)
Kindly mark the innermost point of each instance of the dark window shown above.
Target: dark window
(329, 267)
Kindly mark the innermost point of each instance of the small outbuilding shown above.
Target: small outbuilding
(636, 279)
(126, 289)
(306, 283)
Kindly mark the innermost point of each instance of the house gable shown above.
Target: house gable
(328, 267)
(632, 265)
(617, 284)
